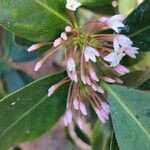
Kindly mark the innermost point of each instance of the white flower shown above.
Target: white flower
(122, 40)
(72, 4)
(131, 51)
(114, 22)
(90, 53)
(115, 57)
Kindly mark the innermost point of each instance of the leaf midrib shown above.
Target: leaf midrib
(52, 11)
(128, 111)
(138, 32)
(22, 116)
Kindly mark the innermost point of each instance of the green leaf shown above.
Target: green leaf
(135, 79)
(101, 134)
(16, 52)
(130, 111)
(138, 26)
(36, 20)
(99, 6)
(29, 112)
(15, 80)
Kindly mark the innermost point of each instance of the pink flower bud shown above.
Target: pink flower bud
(64, 36)
(57, 42)
(105, 107)
(109, 80)
(83, 78)
(100, 116)
(100, 90)
(83, 109)
(76, 104)
(121, 69)
(38, 65)
(68, 29)
(71, 64)
(69, 116)
(80, 123)
(93, 75)
(104, 114)
(88, 81)
(33, 47)
(51, 90)
(94, 87)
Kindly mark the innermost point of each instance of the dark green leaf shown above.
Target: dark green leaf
(99, 6)
(15, 80)
(146, 85)
(130, 111)
(135, 79)
(82, 135)
(29, 112)
(138, 26)
(36, 20)
(101, 136)
(16, 52)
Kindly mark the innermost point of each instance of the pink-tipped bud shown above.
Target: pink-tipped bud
(83, 78)
(104, 114)
(100, 90)
(33, 47)
(118, 80)
(109, 80)
(100, 116)
(64, 36)
(80, 123)
(94, 87)
(73, 75)
(68, 29)
(83, 109)
(69, 116)
(88, 81)
(76, 104)
(51, 90)
(65, 121)
(57, 42)
(38, 65)
(93, 75)
(121, 69)
(71, 64)
(105, 107)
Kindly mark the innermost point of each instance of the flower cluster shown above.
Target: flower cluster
(88, 54)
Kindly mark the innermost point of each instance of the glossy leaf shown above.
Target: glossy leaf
(138, 26)
(136, 79)
(29, 112)
(99, 6)
(16, 52)
(101, 134)
(36, 20)
(130, 116)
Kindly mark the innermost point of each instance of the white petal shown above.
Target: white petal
(116, 45)
(110, 57)
(115, 63)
